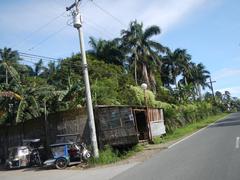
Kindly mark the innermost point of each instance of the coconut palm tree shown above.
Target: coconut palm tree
(39, 67)
(219, 97)
(143, 52)
(184, 64)
(109, 51)
(199, 76)
(172, 63)
(10, 58)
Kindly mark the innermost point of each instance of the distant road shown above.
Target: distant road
(211, 154)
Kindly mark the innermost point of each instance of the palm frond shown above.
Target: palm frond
(12, 71)
(151, 31)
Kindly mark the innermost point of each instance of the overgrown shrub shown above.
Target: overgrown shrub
(110, 155)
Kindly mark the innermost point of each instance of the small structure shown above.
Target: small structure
(126, 125)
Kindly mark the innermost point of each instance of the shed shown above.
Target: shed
(128, 125)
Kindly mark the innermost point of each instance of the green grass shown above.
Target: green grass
(188, 129)
(109, 155)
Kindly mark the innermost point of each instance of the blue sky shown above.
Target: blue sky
(209, 30)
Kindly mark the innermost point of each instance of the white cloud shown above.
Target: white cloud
(226, 73)
(235, 91)
(31, 15)
(165, 14)
(169, 13)
(19, 19)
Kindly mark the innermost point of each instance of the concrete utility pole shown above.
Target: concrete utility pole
(77, 23)
(211, 86)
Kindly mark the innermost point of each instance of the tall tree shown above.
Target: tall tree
(10, 58)
(199, 76)
(172, 65)
(185, 65)
(144, 52)
(108, 51)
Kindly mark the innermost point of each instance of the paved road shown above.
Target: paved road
(103, 173)
(211, 154)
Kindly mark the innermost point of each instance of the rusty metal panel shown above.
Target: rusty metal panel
(116, 126)
(156, 121)
(155, 114)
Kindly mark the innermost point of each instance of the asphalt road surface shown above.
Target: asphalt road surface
(211, 154)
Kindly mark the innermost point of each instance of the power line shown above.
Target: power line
(38, 29)
(33, 58)
(48, 37)
(99, 27)
(108, 13)
(73, 66)
(37, 56)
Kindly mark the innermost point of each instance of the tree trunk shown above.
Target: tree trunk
(145, 74)
(135, 66)
(46, 123)
(6, 76)
(153, 82)
(185, 79)
(23, 134)
(199, 92)
(175, 82)
(135, 70)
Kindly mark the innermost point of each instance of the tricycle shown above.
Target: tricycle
(67, 152)
(25, 155)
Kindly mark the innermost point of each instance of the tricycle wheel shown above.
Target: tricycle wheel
(61, 163)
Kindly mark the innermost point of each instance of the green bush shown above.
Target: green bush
(109, 155)
(106, 156)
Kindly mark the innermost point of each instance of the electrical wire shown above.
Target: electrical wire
(37, 56)
(32, 58)
(48, 37)
(99, 28)
(38, 29)
(108, 13)
(73, 66)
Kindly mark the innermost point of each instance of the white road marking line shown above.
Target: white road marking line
(237, 142)
(189, 136)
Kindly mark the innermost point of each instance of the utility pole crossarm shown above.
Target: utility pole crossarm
(70, 7)
(211, 86)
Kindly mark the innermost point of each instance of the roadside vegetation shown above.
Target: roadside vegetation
(110, 155)
(188, 129)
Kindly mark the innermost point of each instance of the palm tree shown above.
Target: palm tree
(219, 97)
(143, 52)
(199, 77)
(49, 72)
(39, 67)
(97, 47)
(172, 65)
(185, 65)
(10, 58)
(109, 51)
